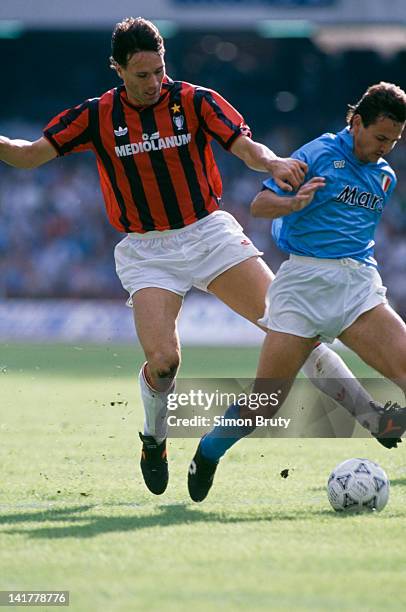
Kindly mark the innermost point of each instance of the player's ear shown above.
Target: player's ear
(357, 121)
(356, 124)
(115, 66)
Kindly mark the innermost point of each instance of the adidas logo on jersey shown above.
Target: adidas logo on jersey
(121, 131)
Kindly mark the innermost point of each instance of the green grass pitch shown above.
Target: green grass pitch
(75, 515)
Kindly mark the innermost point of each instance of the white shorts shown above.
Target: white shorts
(180, 259)
(312, 297)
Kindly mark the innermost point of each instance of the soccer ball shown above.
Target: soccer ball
(356, 485)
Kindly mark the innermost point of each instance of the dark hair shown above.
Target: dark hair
(132, 35)
(382, 99)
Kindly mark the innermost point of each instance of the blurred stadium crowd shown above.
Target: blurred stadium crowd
(54, 237)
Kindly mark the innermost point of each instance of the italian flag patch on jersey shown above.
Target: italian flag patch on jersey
(385, 182)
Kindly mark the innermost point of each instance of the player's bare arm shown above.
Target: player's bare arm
(288, 173)
(269, 205)
(26, 154)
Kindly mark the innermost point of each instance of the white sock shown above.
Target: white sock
(328, 372)
(155, 408)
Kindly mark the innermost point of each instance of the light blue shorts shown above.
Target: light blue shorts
(319, 298)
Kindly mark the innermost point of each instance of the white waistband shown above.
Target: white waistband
(174, 232)
(345, 261)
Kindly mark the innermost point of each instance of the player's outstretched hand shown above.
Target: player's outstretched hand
(306, 193)
(288, 173)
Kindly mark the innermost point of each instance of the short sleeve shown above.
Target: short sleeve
(69, 132)
(219, 118)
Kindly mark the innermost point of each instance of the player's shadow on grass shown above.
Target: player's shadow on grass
(49, 514)
(80, 524)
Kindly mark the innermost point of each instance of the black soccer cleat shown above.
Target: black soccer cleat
(392, 425)
(200, 476)
(154, 464)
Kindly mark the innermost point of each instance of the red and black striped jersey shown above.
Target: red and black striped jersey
(156, 166)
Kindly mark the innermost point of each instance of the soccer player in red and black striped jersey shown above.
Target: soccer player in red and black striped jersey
(151, 137)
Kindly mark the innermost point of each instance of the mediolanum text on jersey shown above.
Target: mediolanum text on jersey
(155, 144)
(354, 197)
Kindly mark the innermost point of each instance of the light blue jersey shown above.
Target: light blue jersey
(342, 218)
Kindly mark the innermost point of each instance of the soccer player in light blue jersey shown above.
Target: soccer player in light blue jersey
(329, 287)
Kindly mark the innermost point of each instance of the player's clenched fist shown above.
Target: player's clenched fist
(288, 173)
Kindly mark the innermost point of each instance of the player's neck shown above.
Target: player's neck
(136, 102)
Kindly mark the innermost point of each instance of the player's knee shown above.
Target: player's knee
(164, 364)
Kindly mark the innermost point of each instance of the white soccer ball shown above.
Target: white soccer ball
(356, 485)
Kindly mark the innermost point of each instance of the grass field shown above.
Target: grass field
(74, 513)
